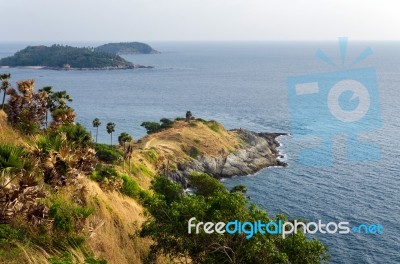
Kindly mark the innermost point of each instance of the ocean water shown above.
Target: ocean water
(244, 85)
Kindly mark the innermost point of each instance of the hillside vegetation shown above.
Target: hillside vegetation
(59, 56)
(127, 48)
(62, 202)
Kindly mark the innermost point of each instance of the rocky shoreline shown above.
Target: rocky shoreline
(258, 151)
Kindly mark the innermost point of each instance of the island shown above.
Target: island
(60, 57)
(124, 48)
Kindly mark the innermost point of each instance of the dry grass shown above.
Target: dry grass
(116, 240)
(197, 134)
(7, 134)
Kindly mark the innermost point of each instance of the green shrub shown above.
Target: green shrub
(66, 215)
(213, 125)
(8, 234)
(194, 152)
(129, 187)
(107, 153)
(75, 133)
(151, 155)
(103, 172)
(154, 127)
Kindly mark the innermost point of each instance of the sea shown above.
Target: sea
(245, 85)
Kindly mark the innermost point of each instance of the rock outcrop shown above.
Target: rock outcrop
(258, 151)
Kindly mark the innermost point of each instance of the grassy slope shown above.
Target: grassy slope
(114, 240)
(7, 134)
(208, 138)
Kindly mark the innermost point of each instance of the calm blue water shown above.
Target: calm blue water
(244, 85)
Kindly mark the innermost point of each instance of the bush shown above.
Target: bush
(75, 133)
(151, 155)
(107, 153)
(129, 187)
(213, 125)
(194, 152)
(154, 127)
(118, 181)
(8, 234)
(66, 216)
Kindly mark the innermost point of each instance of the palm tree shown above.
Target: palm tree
(110, 129)
(60, 100)
(50, 100)
(123, 138)
(5, 84)
(96, 123)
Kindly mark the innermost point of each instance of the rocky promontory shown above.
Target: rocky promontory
(260, 150)
(206, 147)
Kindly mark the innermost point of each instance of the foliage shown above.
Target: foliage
(110, 129)
(123, 138)
(239, 189)
(68, 216)
(189, 116)
(11, 156)
(168, 228)
(5, 84)
(194, 152)
(205, 185)
(75, 133)
(63, 158)
(27, 109)
(112, 180)
(96, 123)
(106, 153)
(57, 56)
(8, 235)
(151, 155)
(213, 125)
(62, 116)
(129, 187)
(167, 190)
(154, 127)
(126, 48)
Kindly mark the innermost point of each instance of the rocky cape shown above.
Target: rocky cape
(260, 150)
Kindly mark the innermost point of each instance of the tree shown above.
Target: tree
(123, 138)
(110, 129)
(60, 100)
(154, 127)
(5, 84)
(151, 127)
(27, 109)
(50, 102)
(188, 116)
(170, 211)
(57, 105)
(96, 123)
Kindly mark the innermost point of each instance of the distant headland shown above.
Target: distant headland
(124, 48)
(63, 57)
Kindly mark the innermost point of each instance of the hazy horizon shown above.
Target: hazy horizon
(195, 20)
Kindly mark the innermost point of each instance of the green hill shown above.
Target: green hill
(127, 48)
(59, 56)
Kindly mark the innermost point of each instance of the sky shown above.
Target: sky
(198, 20)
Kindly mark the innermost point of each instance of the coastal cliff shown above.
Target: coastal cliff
(207, 147)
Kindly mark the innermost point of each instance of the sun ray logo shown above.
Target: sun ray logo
(341, 102)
